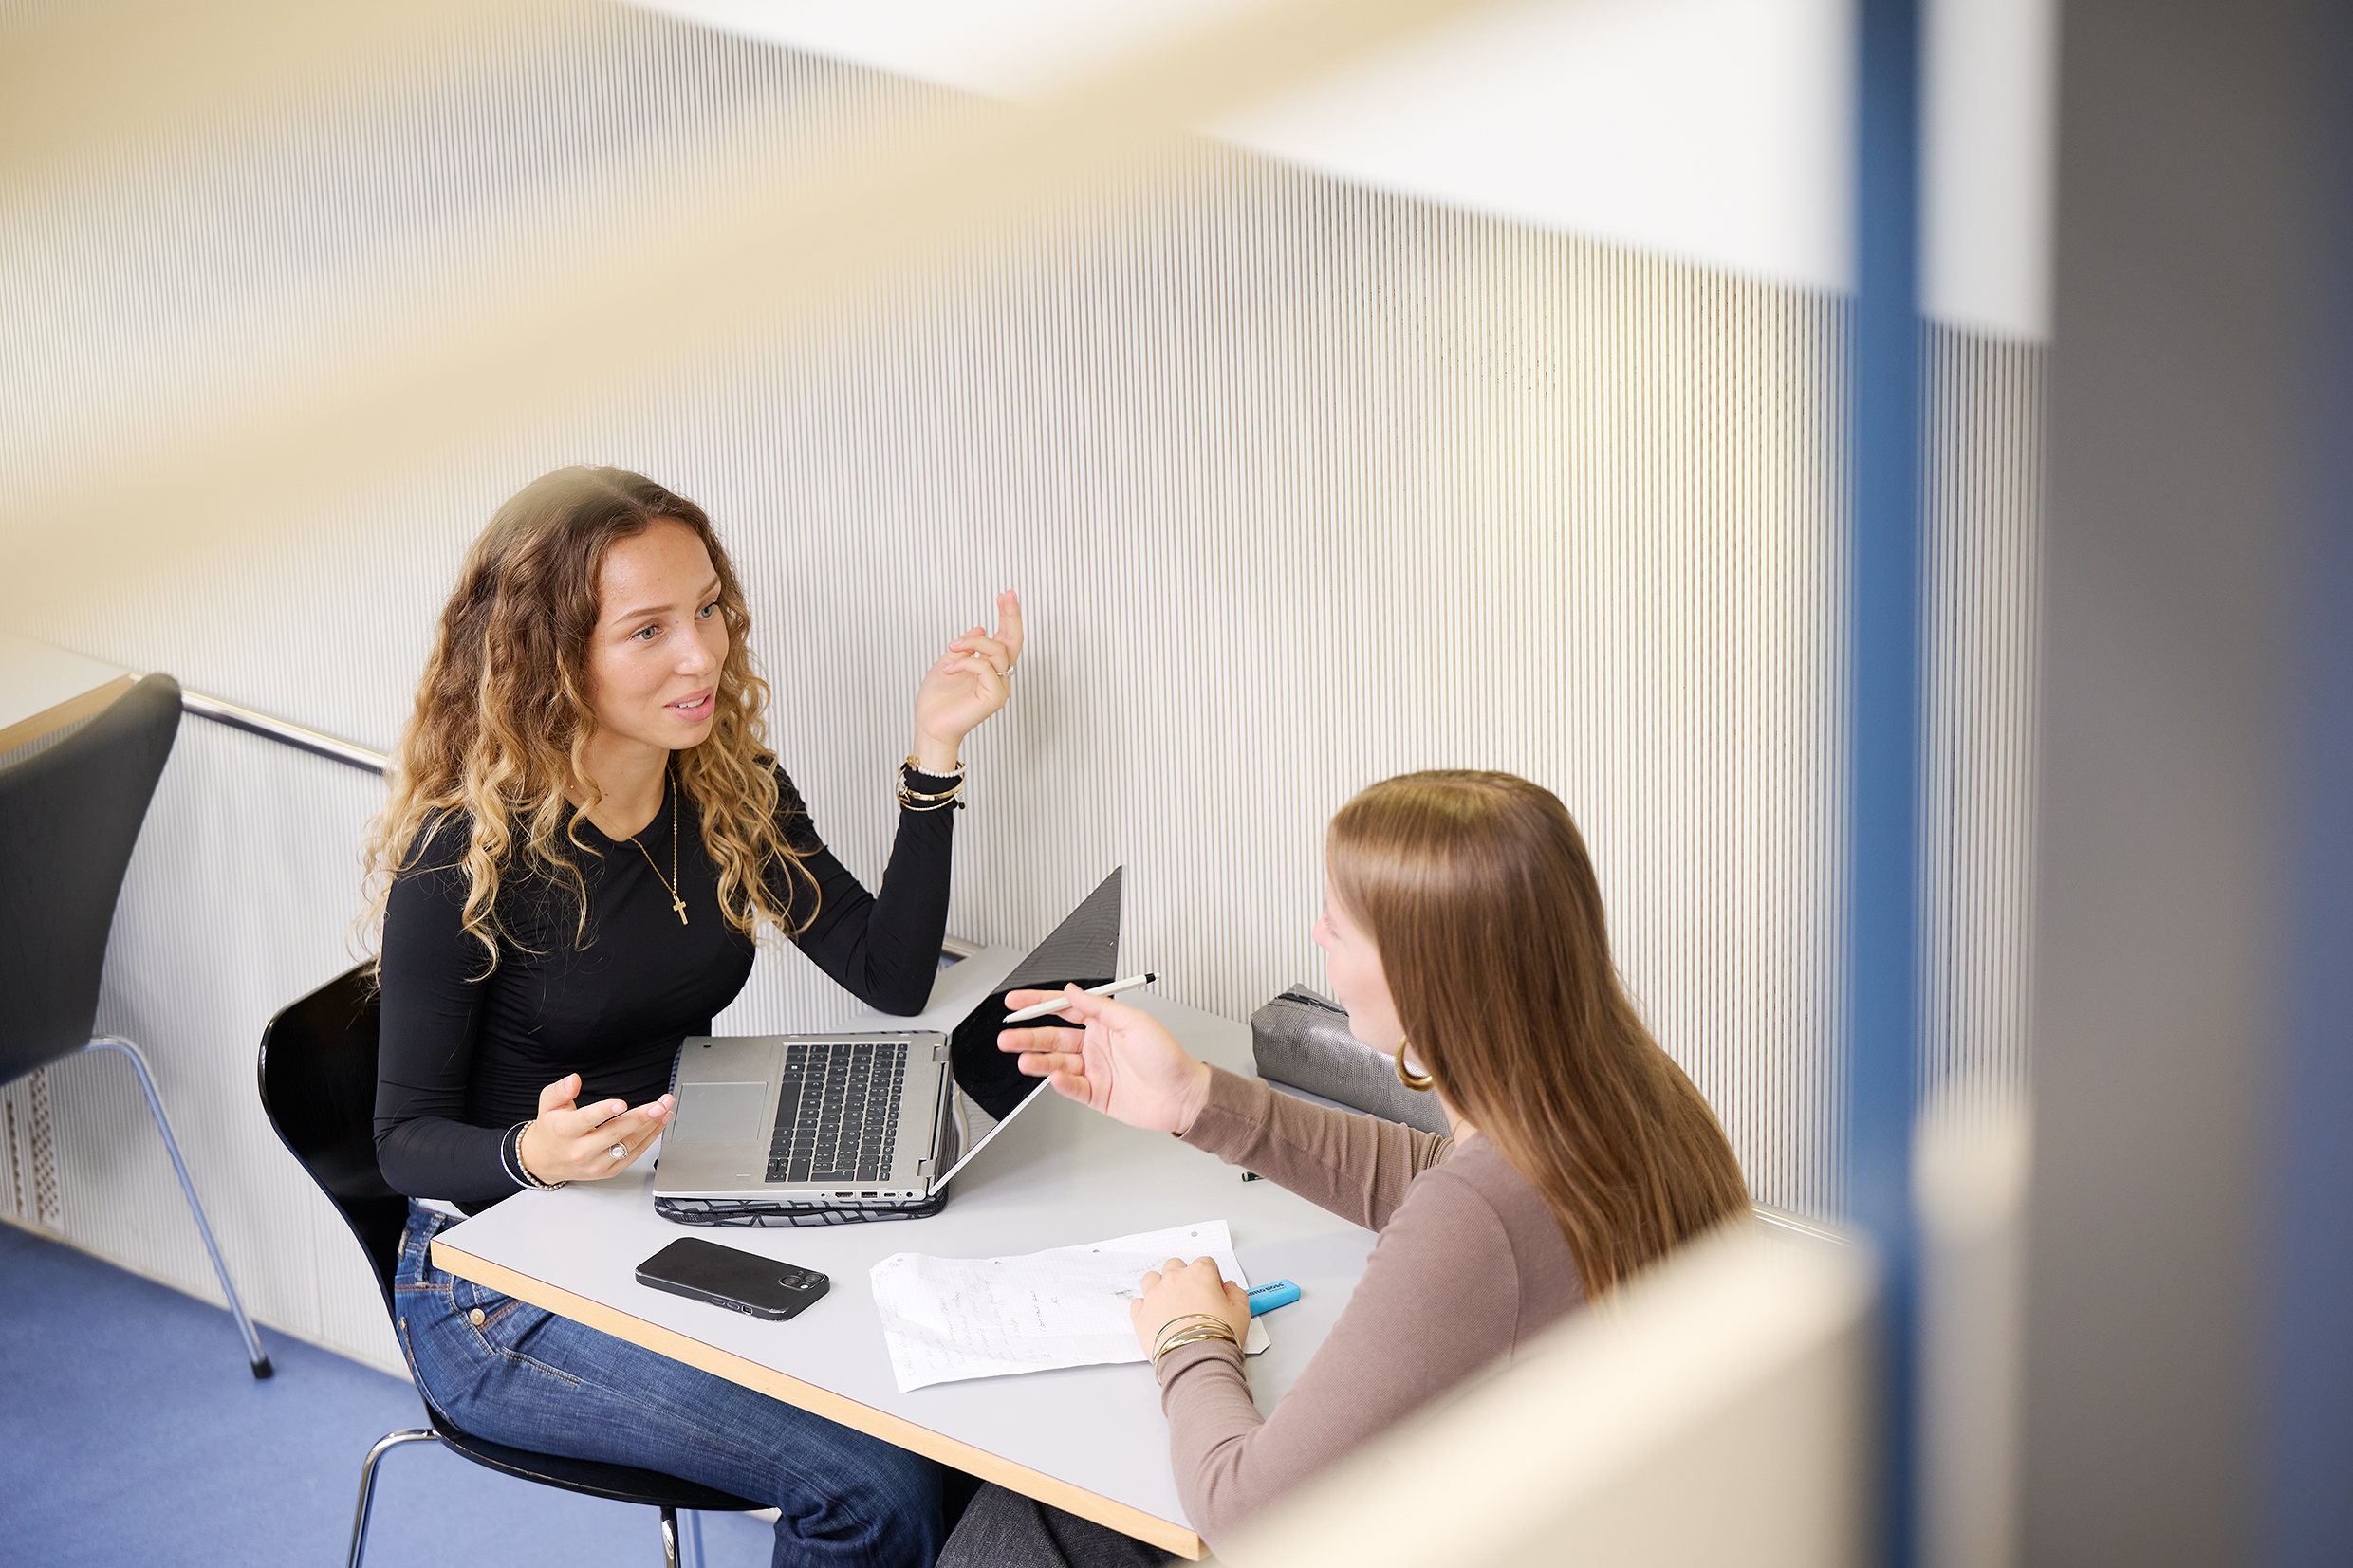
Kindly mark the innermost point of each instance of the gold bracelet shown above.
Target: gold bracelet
(1223, 1335)
(1193, 1322)
(1174, 1345)
(945, 803)
(916, 799)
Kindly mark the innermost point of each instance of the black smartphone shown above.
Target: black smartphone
(732, 1278)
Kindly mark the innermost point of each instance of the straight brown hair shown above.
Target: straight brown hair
(1476, 889)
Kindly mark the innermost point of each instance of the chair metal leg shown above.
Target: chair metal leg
(253, 1353)
(670, 1536)
(367, 1482)
(694, 1539)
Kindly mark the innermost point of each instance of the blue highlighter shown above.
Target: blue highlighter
(1281, 1293)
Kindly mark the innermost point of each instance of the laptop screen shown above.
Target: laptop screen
(1083, 948)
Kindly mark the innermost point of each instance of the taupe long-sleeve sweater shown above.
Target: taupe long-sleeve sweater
(1469, 1266)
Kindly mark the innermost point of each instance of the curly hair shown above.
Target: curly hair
(504, 713)
(1478, 893)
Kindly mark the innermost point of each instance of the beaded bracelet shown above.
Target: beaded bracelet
(943, 801)
(510, 1155)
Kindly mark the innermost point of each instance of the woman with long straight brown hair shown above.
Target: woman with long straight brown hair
(586, 833)
(1466, 938)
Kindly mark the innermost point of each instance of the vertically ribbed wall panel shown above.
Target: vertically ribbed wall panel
(1985, 510)
(1347, 487)
(1304, 486)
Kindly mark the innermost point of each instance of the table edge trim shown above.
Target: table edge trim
(837, 1408)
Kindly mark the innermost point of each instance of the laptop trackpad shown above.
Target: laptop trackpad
(730, 1114)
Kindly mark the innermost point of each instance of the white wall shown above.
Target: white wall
(1713, 131)
(1304, 484)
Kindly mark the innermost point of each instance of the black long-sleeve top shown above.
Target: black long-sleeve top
(463, 1055)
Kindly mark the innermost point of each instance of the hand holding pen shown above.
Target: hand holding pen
(1122, 1062)
(1054, 1004)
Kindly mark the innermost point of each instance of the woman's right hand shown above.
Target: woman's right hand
(1125, 1065)
(572, 1143)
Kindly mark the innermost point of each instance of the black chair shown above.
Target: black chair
(318, 1085)
(69, 817)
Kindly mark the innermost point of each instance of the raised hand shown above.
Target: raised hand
(964, 686)
(1123, 1064)
(569, 1142)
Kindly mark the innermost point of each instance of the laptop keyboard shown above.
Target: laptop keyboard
(838, 1118)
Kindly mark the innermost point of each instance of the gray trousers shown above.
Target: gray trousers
(1002, 1529)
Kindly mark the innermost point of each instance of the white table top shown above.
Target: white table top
(43, 689)
(1087, 1439)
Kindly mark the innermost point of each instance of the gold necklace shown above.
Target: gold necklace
(670, 887)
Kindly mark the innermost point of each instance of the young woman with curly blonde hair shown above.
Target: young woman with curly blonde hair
(586, 833)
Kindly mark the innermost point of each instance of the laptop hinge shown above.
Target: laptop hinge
(924, 1168)
(939, 1052)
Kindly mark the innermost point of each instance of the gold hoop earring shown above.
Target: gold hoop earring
(1416, 1081)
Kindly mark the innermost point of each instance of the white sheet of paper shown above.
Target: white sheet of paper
(949, 1319)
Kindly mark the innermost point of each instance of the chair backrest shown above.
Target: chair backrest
(318, 1085)
(71, 815)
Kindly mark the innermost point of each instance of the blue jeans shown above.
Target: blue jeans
(506, 1371)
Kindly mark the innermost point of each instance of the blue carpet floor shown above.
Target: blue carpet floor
(131, 1433)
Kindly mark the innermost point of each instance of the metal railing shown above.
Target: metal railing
(283, 732)
(1782, 1226)
(365, 761)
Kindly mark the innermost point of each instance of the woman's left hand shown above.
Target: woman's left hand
(964, 686)
(1179, 1289)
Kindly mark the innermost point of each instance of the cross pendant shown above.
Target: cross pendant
(679, 904)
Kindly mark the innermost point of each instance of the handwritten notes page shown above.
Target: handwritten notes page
(950, 1319)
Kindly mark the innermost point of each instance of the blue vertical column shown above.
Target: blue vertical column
(2307, 1462)
(1883, 434)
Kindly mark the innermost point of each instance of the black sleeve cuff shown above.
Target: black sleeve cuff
(929, 784)
(510, 1155)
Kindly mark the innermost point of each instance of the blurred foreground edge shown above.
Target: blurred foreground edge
(1715, 1412)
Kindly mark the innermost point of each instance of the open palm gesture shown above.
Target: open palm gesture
(1124, 1063)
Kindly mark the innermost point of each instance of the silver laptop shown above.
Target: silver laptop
(860, 1124)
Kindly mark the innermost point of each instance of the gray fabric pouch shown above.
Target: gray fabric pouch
(1303, 1040)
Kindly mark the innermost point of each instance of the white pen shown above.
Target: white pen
(1111, 988)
